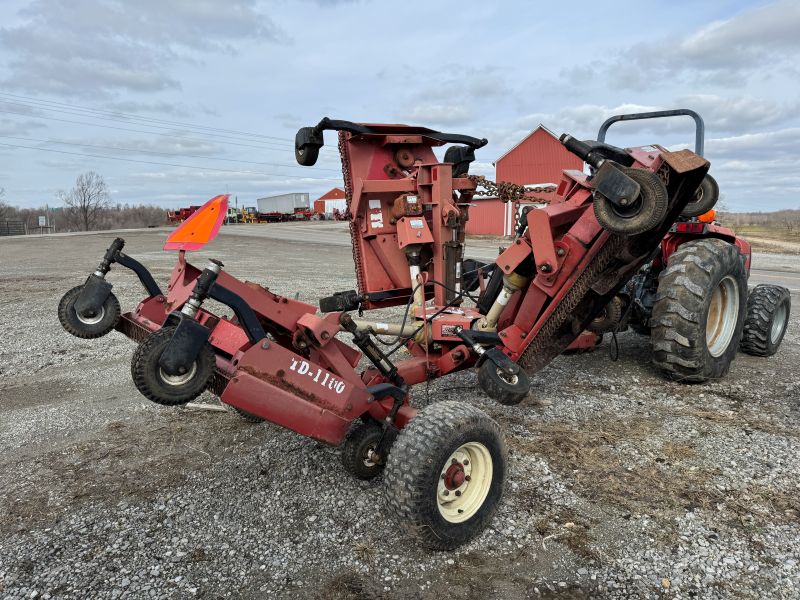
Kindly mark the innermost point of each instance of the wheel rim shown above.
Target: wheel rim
(92, 320)
(464, 482)
(778, 323)
(510, 379)
(723, 311)
(177, 379)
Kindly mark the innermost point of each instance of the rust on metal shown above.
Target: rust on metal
(683, 161)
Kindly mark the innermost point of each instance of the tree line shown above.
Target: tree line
(87, 206)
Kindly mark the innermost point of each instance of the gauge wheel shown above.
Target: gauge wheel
(84, 326)
(505, 388)
(445, 474)
(359, 451)
(169, 390)
(643, 213)
(609, 317)
(768, 308)
(705, 198)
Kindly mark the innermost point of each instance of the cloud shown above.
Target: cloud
(437, 114)
(722, 53)
(97, 47)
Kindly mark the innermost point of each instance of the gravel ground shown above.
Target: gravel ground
(621, 484)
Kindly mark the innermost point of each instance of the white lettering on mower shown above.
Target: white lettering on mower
(302, 367)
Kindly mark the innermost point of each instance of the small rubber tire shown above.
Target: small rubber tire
(505, 389)
(423, 453)
(768, 308)
(306, 155)
(645, 213)
(152, 382)
(701, 296)
(705, 198)
(87, 329)
(609, 317)
(355, 450)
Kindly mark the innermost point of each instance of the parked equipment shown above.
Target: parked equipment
(692, 297)
(180, 215)
(278, 359)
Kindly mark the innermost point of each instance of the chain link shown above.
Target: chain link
(344, 154)
(512, 192)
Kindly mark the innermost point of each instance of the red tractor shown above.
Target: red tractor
(691, 298)
(282, 360)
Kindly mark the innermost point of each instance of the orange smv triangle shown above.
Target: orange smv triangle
(201, 227)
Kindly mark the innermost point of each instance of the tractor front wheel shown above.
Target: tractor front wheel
(169, 390)
(768, 309)
(445, 474)
(505, 388)
(699, 311)
(87, 326)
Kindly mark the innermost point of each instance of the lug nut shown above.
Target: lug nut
(446, 493)
(458, 492)
(454, 461)
(467, 478)
(466, 462)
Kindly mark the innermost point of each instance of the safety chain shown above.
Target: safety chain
(510, 192)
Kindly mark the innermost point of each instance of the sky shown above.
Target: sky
(175, 101)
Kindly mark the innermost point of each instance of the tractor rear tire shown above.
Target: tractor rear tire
(357, 446)
(705, 198)
(445, 474)
(645, 212)
(698, 315)
(84, 327)
(164, 389)
(509, 390)
(768, 308)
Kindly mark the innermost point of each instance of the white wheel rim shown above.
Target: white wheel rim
(778, 323)
(509, 379)
(92, 320)
(464, 482)
(177, 379)
(723, 311)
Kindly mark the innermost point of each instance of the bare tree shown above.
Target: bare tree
(87, 200)
(3, 205)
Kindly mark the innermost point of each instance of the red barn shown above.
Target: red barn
(334, 198)
(537, 160)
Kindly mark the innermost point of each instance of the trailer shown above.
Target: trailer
(283, 204)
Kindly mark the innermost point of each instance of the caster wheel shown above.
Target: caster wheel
(498, 385)
(86, 326)
(165, 389)
(644, 213)
(445, 474)
(358, 450)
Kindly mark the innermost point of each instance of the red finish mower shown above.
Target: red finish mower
(281, 360)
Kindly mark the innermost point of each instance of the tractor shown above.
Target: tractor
(692, 297)
(302, 366)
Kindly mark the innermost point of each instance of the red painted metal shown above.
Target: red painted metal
(403, 204)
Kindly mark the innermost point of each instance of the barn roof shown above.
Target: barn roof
(334, 194)
(527, 137)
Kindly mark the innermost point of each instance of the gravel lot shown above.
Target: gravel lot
(621, 484)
